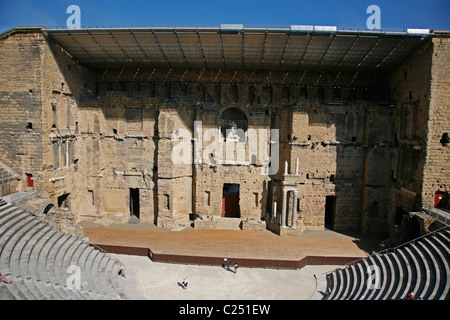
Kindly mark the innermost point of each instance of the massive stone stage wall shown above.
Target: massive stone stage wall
(339, 148)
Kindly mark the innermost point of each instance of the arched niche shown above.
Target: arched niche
(233, 120)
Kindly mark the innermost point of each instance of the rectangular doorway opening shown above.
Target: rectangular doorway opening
(230, 201)
(330, 211)
(134, 203)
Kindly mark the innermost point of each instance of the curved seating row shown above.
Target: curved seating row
(43, 263)
(421, 267)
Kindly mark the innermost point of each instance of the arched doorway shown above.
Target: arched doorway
(49, 209)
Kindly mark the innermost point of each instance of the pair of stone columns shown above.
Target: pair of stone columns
(284, 209)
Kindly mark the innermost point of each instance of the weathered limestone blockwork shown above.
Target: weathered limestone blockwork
(352, 147)
(20, 97)
(436, 171)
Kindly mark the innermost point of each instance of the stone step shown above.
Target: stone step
(229, 223)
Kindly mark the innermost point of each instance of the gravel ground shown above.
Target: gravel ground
(159, 281)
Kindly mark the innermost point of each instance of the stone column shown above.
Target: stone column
(294, 211)
(274, 213)
(283, 209)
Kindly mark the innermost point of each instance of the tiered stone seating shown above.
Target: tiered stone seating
(421, 267)
(36, 258)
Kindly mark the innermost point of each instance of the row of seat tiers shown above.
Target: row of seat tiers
(44, 263)
(421, 267)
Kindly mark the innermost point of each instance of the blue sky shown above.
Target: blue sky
(429, 14)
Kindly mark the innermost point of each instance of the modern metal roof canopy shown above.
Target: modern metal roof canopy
(235, 47)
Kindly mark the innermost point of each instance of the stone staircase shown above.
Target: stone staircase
(41, 262)
(421, 267)
(7, 179)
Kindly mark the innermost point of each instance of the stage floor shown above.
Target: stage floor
(247, 248)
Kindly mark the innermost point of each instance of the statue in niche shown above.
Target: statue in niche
(232, 135)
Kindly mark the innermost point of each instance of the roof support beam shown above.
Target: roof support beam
(349, 49)
(390, 52)
(142, 50)
(368, 53)
(101, 48)
(264, 49)
(328, 50)
(79, 44)
(121, 49)
(181, 49)
(243, 50)
(221, 49)
(201, 50)
(161, 49)
(304, 53)
(285, 49)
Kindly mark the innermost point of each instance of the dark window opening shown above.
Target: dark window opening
(267, 94)
(166, 201)
(91, 197)
(445, 140)
(286, 95)
(337, 92)
(321, 95)
(251, 94)
(303, 92)
(218, 92)
(234, 93)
